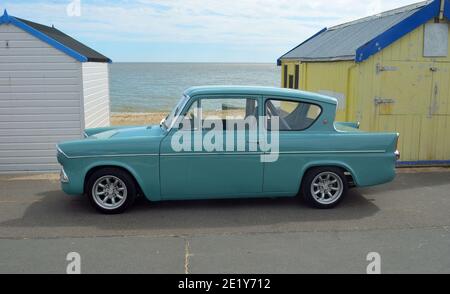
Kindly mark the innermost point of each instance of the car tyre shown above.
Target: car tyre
(111, 190)
(324, 187)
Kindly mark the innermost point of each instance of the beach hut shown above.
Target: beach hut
(390, 72)
(52, 87)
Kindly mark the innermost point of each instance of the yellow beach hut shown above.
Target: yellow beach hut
(390, 72)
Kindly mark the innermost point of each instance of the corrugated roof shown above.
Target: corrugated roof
(341, 42)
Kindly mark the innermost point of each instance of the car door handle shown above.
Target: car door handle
(253, 142)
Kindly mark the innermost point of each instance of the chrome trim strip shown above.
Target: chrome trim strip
(60, 151)
(260, 153)
(108, 155)
(210, 153)
(63, 178)
(222, 153)
(114, 155)
(331, 151)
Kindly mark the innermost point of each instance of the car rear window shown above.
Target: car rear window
(292, 115)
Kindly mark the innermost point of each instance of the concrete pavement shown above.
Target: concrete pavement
(406, 221)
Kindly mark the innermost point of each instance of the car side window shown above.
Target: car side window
(292, 115)
(237, 111)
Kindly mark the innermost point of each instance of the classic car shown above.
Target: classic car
(314, 156)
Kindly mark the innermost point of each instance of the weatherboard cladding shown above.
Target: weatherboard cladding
(341, 42)
(40, 92)
(48, 94)
(96, 94)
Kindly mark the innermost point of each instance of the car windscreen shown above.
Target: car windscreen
(170, 119)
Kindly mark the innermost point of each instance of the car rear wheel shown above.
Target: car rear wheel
(111, 190)
(324, 187)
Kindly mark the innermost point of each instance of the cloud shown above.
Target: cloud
(245, 23)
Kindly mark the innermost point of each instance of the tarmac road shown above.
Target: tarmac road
(407, 222)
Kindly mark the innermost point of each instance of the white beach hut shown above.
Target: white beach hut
(52, 87)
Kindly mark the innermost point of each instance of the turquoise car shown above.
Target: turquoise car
(230, 142)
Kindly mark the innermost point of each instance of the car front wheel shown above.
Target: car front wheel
(324, 187)
(111, 191)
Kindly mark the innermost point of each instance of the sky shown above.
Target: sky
(194, 30)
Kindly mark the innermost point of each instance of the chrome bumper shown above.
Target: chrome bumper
(63, 178)
(397, 154)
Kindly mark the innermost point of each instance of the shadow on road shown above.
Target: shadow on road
(410, 181)
(55, 209)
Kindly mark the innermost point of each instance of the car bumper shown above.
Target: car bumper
(70, 183)
(63, 178)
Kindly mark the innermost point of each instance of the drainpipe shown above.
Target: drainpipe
(441, 10)
(348, 96)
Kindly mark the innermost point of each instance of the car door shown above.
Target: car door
(282, 176)
(215, 165)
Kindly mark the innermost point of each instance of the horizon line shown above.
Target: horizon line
(224, 62)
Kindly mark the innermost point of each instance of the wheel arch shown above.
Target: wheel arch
(93, 168)
(348, 171)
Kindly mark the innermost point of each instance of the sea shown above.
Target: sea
(147, 87)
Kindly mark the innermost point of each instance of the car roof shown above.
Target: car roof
(259, 90)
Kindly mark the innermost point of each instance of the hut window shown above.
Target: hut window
(285, 74)
(435, 40)
(291, 81)
(296, 78)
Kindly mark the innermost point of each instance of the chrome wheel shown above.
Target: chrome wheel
(109, 192)
(327, 188)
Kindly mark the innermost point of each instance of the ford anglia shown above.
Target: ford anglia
(230, 142)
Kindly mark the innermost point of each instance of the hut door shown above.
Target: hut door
(435, 132)
(401, 104)
(440, 101)
(404, 88)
